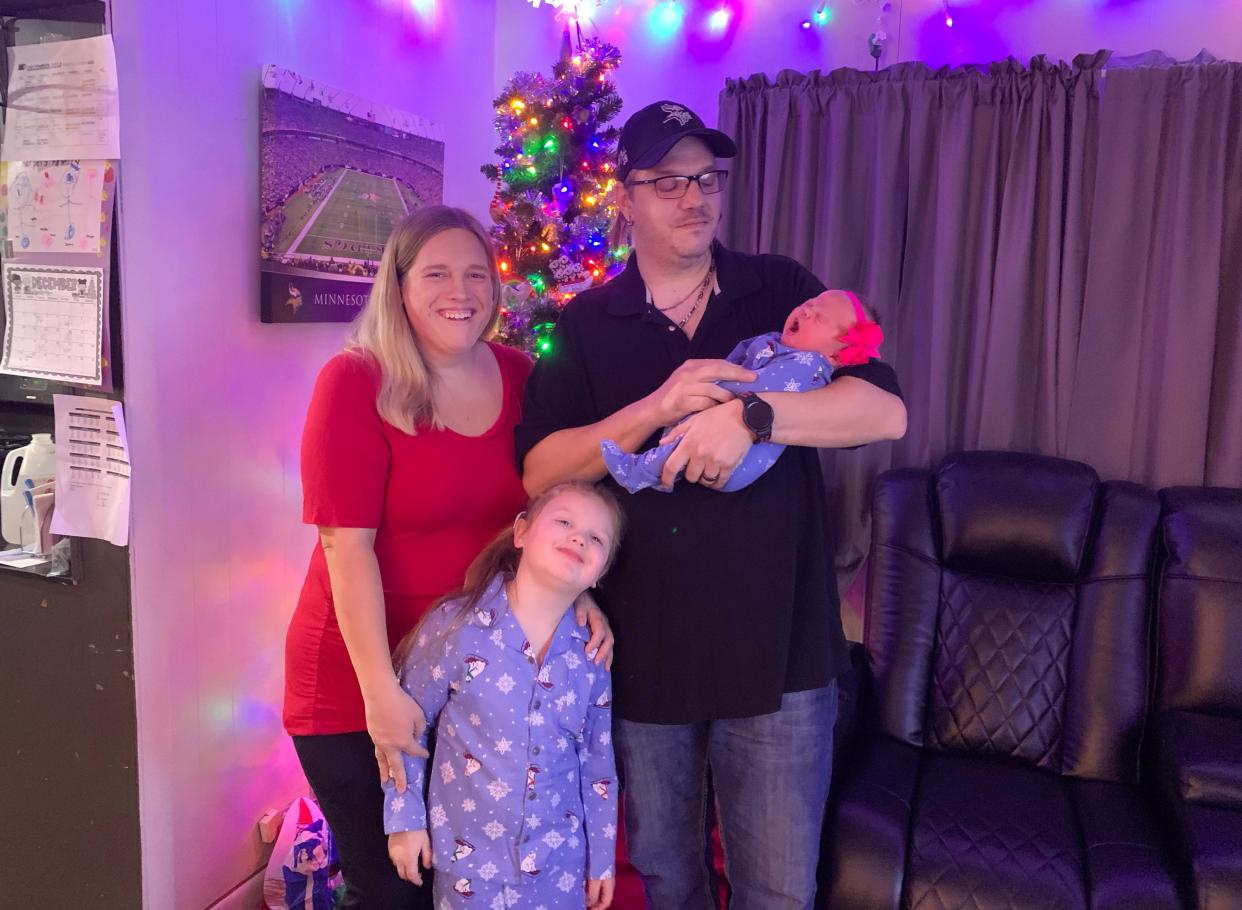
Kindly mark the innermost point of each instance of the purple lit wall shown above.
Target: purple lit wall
(215, 400)
(991, 29)
(676, 48)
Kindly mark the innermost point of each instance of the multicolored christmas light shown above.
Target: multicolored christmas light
(570, 10)
(553, 208)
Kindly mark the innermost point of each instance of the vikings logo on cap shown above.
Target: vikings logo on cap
(676, 112)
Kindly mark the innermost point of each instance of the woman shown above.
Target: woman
(408, 471)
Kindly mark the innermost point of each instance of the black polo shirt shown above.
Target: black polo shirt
(720, 602)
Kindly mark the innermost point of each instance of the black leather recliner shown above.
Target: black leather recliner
(1004, 696)
(1199, 693)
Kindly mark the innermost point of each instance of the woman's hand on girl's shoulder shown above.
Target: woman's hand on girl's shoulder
(587, 613)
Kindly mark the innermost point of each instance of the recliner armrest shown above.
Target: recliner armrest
(864, 845)
(1199, 758)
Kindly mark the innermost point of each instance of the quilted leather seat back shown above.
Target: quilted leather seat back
(984, 577)
(1001, 667)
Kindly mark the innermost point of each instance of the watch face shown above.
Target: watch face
(757, 413)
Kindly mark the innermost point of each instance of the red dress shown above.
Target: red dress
(435, 499)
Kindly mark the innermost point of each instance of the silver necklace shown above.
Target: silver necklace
(702, 293)
(693, 290)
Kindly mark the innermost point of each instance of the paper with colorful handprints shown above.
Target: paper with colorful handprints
(55, 206)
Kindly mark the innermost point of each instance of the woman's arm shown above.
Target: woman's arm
(357, 592)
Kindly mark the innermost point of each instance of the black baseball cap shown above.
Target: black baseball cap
(652, 132)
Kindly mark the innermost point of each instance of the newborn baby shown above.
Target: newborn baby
(827, 331)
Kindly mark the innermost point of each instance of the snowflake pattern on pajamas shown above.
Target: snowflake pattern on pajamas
(778, 368)
(515, 741)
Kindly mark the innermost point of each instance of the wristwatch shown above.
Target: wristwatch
(757, 415)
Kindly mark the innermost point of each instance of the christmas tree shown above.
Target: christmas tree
(553, 207)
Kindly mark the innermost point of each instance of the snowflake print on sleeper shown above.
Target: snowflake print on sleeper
(523, 804)
(778, 368)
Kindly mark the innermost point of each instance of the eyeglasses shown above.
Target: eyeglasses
(674, 186)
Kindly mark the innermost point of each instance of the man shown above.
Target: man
(724, 605)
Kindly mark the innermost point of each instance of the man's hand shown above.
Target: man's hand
(405, 849)
(692, 387)
(712, 445)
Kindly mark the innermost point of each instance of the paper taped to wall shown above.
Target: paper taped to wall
(92, 469)
(54, 206)
(54, 318)
(62, 101)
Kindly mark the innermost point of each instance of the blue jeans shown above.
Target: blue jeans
(770, 775)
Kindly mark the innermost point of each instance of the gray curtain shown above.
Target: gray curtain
(1055, 252)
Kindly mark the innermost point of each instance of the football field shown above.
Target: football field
(353, 221)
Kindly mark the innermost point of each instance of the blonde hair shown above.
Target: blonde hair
(501, 557)
(382, 330)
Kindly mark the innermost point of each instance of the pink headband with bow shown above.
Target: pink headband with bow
(862, 339)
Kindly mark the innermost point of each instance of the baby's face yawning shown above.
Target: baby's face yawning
(818, 324)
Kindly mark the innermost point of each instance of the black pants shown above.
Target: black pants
(341, 770)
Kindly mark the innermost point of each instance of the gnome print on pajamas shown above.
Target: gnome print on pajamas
(494, 715)
(542, 678)
(528, 864)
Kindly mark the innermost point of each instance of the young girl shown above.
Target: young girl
(523, 805)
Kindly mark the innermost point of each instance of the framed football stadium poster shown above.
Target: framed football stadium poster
(337, 174)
